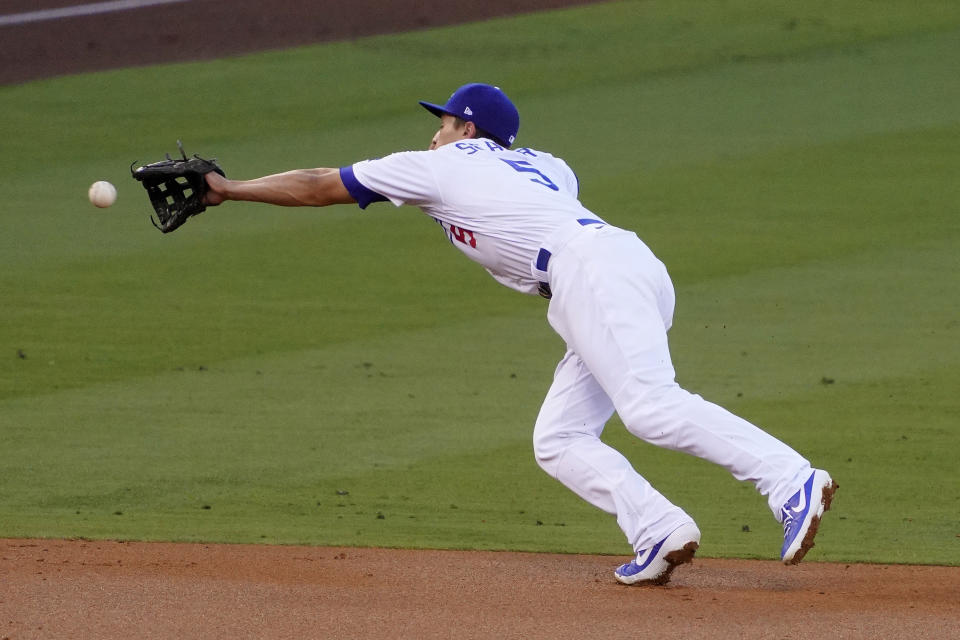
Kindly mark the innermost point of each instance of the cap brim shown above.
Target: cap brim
(435, 109)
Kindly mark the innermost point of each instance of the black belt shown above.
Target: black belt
(543, 259)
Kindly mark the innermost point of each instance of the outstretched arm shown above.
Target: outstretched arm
(298, 188)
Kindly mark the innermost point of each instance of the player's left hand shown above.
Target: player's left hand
(177, 188)
(216, 192)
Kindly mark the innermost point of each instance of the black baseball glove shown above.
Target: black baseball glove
(176, 187)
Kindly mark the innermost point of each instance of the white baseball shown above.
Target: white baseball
(102, 193)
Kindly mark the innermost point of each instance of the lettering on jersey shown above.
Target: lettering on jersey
(463, 235)
(470, 147)
(526, 151)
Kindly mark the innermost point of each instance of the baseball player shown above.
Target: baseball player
(515, 211)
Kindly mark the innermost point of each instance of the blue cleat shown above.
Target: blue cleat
(801, 515)
(654, 565)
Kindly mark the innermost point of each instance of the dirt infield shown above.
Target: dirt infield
(204, 29)
(80, 589)
(53, 589)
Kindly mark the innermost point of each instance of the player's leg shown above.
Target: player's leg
(567, 445)
(613, 304)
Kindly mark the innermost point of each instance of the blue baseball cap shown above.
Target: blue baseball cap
(485, 106)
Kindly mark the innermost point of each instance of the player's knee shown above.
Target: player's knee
(551, 441)
(546, 449)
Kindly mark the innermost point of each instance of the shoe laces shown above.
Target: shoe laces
(788, 515)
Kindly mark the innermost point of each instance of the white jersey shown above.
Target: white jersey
(496, 205)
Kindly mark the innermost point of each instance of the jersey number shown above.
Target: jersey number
(463, 235)
(525, 167)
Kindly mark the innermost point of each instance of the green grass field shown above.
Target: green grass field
(343, 377)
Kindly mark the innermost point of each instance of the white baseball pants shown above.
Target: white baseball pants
(613, 304)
